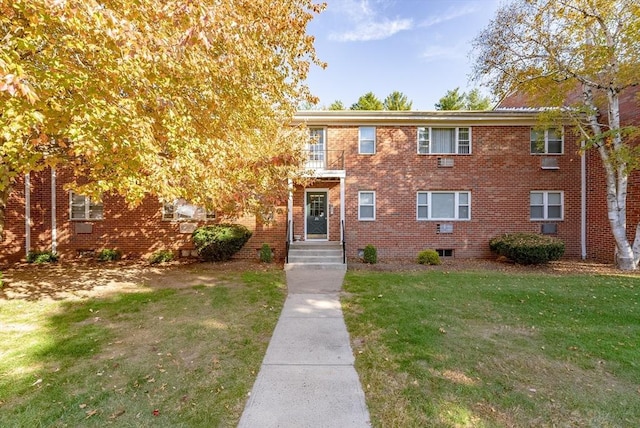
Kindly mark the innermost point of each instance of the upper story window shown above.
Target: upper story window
(546, 205)
(549, 141)
(444, 205)
(83, 208)
(367, 205)
(180, 210)
(444, 140)
(367, 140)
(316, 148)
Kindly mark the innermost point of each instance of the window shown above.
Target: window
(444, 206)
(545, 142)
(367, 140)
(444, 141)
(83, 208)
(316, 148)
(180, 210)
(366, 206)
(546, 205)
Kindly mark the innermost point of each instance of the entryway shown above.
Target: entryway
(316, 215)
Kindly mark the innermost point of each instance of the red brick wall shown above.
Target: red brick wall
(137, 232)
(499, 173)
(601, 245)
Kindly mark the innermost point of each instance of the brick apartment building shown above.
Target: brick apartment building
(401, 181)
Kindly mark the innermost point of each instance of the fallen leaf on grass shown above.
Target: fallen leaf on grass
(117, 414)
(156, 412)
(91, 413)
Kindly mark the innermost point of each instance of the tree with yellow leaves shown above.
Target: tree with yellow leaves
(550, 50)
(171, 98)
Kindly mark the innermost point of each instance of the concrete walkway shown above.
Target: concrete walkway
(307, 378)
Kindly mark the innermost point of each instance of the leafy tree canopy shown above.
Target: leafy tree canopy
(456, 100)
(577, 53)
(367, 101)
(173, 98)
(337, 105)
(397, 101)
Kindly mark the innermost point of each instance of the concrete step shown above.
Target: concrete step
(316, 266)
(315, 252)
(302, 258)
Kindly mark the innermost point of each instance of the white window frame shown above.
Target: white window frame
(360, 140)
(87, 208)
(545, 151)
(421, 148)
(545, 205)
(175, 216)
(360, 205)
(456, 202)
(317, 153)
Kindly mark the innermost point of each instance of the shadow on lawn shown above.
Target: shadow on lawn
(81, 279)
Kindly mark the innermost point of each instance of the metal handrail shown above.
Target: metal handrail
(344, 244)
(325, 159)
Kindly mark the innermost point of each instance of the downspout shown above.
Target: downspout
(583, 202)
(54, 231)
(290, 210)
(27, 214)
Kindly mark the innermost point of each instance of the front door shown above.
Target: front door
(316, 215)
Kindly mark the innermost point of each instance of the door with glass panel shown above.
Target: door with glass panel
(316, 215)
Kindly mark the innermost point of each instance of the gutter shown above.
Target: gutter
(583, 202)
(54, 231)
(27, 213)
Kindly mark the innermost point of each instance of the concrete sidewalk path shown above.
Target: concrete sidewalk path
(307, 378)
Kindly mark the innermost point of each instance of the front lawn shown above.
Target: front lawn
(171, 347)
(490, 349)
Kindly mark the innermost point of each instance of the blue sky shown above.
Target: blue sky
(418, 47)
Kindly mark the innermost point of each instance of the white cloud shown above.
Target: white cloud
(440, 52)
(368, 25)
(448, 16)
(373, 30)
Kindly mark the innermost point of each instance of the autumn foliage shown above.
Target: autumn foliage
(171, 98)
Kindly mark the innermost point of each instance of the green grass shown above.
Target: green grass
(488, 349)
(190, 353)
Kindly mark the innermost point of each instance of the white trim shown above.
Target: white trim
(546, 142)
(342, 208)
(583, 202)
(375, 142)
(316, 190)
(456, 202)
(545, 205)
(457, 140)
(290, 210)
(27, 213)
(374, 205)
(54, 227)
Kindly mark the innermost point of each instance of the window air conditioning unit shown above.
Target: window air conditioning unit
(549, 228)
(445, 162)
(444, 228)
(549, 163)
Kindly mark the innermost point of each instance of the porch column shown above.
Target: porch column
(342, 208)
(290, 211)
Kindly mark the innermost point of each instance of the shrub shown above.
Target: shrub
(266, 256)
(527, 248)
(161, 256)
(39, 257)
(220, 242)
(429, 257)
(370, 254)
(109, 255)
